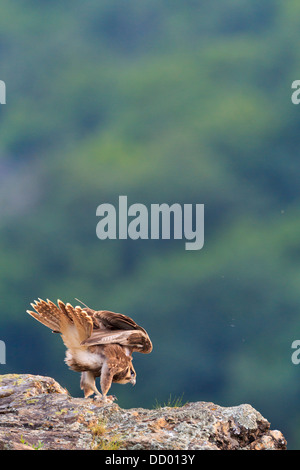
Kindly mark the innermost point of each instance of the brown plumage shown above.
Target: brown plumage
(99, 343)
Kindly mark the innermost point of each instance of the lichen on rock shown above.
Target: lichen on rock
(37, 413)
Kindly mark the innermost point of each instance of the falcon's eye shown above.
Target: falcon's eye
(132, 373)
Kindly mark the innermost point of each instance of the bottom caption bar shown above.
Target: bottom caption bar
(138, 459)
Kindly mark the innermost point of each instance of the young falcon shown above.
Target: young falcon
(99, 343)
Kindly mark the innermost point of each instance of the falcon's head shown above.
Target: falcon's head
(127, 375)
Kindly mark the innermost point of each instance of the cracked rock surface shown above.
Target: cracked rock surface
(37, 413)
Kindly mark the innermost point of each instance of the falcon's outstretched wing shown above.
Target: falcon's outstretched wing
(84, 327)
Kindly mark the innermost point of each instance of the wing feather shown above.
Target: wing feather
(84, 327)
(136, 340)
(115, 321)
(46, 314)
(81, 320)
(63, 318)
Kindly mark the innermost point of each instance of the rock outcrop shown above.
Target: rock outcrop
(37, 413)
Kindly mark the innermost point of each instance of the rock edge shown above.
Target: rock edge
(37, 413)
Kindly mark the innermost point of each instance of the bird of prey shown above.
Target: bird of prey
(99, 343)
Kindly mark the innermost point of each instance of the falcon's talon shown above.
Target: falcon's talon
(111, 398)
(97, 398)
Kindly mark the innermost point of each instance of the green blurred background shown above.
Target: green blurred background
(162, 101)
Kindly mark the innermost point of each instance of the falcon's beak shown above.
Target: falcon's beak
(133, 381)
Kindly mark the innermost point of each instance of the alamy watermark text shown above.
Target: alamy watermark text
(163, 222)
(2, 352)
(2, 92)
(295, 358)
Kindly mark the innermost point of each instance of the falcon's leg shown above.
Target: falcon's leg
(87, 384)
(106, 381)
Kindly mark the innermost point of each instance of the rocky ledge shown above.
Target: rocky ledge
(37, 413)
